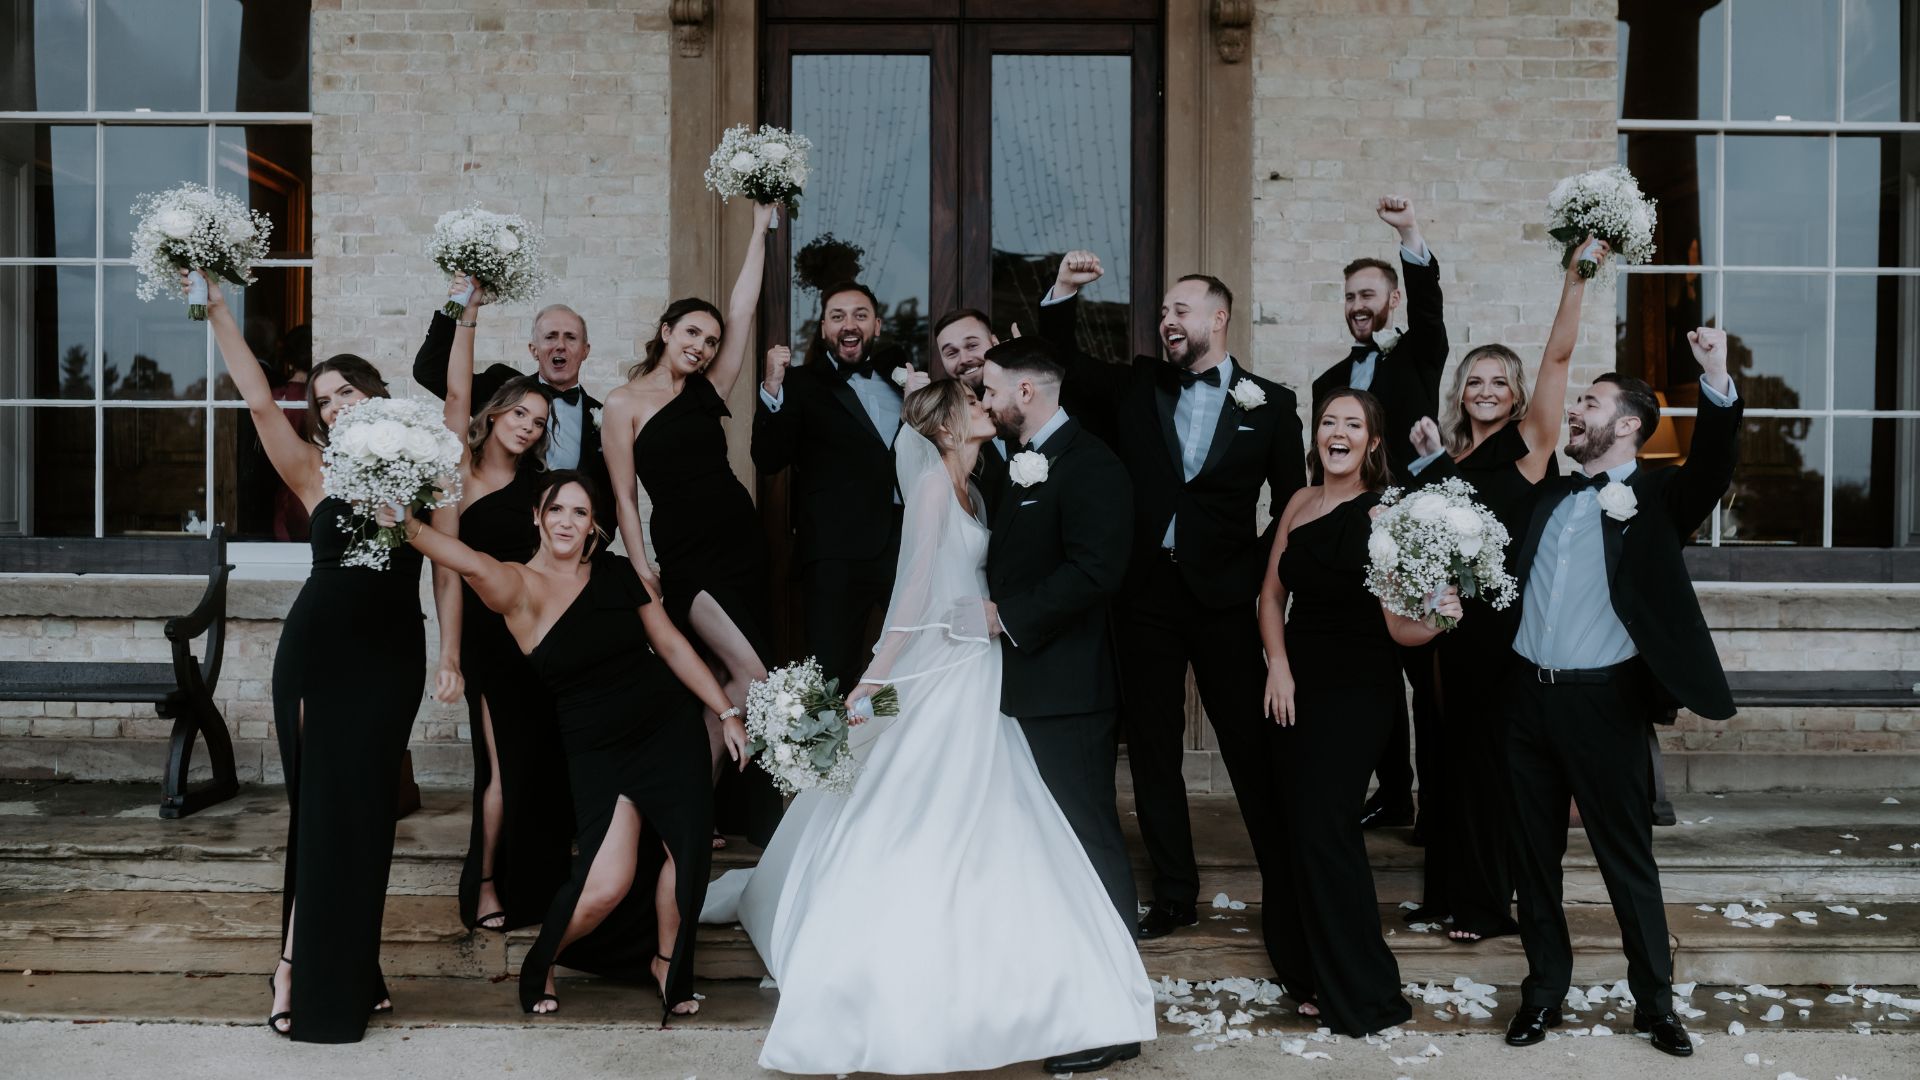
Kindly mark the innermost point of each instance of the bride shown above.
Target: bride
(942, 916)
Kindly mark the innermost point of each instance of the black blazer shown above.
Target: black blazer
(843, 482)
(1222, 551)
(1647, 575)
(430, 371)
(1406, 380)
(1057, 558)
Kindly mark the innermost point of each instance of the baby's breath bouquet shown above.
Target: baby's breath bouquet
(768, 166)
(1432, 538)
(389, 451)
(797, 728)
(191, 227)
(1607, 203)
(502, 250)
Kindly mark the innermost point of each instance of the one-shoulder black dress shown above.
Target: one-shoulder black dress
(532, 852)
(353, 654)
(1325, 937)
(629, 728)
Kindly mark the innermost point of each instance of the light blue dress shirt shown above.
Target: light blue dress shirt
(1363, 370)
(565, 435)
(877, 397)
(1195, 416)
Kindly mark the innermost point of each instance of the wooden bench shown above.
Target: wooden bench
(1815, 689)
(181, 690)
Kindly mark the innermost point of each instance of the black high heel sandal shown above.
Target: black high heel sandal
(668, 1016)
(386, 996)
(481, 922)
(273, 1021)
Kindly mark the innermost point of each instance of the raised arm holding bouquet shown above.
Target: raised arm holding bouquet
(500, 251)
(1605, 204)
(193, 229)
(768, 166)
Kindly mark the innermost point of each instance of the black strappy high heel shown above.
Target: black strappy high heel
(273, 1022)
(668, 1016)
(481, 922)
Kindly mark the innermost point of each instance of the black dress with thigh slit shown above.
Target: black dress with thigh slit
(353, 653)
(1325, 939)
(629, 728)
(532, 853)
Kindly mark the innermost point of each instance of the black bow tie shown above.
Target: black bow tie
(571, 395)
(1360, 352)
(1211, 376)
(1581, 481)
(848, 371)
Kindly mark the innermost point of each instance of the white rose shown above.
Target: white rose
(1619, 502)
(240, 230)
(1248, 395)
(1470, 545)
(595, 414)
(421, 446)
(782, 701)
(1382, 549)
(1427, 508)
(505, 242)
(795, 713)
(1029, 467)
(743, 162)
(774, 152)
(1385, 340)
(386, 440)
(177, 224)
(783, 754)
(1464, 521)
(900, 376)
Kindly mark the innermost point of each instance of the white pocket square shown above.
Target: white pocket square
(1028, 502)
(1244, 427)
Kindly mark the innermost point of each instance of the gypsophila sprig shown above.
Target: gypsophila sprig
(1432, 538)
(768, 166)
(388, 451)
(502, 250)
(1609, 204)
(188, 227)
(797, 728)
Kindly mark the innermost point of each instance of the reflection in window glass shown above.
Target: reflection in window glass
(1874, 34)
(152, 350)
(153, 470)
(1869, 210)
(268, 167)
(1868, 313)
(47, 175)
(1776, 200)
(1654, 314)
(50, 355)
(57, 445)
(1672, 60)
(1678, 172)
(147, 55)
(1869, 455)
(1786, 59)
(1778, 494)
(257, 56)
(272, 313)
(43, 47)
(249, 498)
(141, 160)
(1777, 339)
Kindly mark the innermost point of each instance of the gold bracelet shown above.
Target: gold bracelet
(468, 325)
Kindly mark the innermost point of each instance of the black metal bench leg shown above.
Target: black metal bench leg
(177, 799)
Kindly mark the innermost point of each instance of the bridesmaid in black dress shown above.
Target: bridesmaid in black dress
(1495, 442)
(663, 431)
(347, 680)
(1333, 678)
(522, 826)
(620, 675)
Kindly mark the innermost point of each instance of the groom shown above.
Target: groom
(1061, 536)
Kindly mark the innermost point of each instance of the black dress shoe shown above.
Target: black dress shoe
(1530, 1026)
(1381, 815)
(1091, 1060)
(1163, 917)
(1663, 813)
(1669, 1034)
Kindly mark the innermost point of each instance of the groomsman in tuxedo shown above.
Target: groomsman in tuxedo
(559, 348)
(1611, 636)
(833, 421)
(961, 339)
(1402, 368)
(1200, 436)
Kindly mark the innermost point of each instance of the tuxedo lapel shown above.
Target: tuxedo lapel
(838, 389)
(1223, 432)
(1165, 399)
(1613, 533)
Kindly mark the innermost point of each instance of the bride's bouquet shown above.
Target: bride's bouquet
(797, 728)
(767, 166)
(191, 227)
(502, 250)
(1436, 537)
(386, 451)
(1607, 203)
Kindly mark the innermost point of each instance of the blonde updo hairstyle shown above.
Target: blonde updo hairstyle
(939, 411)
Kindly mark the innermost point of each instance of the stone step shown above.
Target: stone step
(236, 932)
(59, 836)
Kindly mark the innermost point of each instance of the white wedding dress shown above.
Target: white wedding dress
(943, 916)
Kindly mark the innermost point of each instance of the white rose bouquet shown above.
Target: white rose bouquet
(797, 728)
(1432, 538)
(389, 451)
(1607, 203)
(768, 166)
(191, 227)
(502, 250)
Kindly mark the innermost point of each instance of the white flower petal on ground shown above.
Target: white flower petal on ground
(1843, 909)
(1889, 801)
(1877, 917)
(1736, 1028)
(1751, 1059)
(1773, 1014)
(1221, 901)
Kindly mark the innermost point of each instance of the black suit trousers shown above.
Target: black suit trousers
(841, 597)
(1162, 630)
(1077, 754)
(1588, 742)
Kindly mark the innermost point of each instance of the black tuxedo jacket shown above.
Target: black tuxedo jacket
(1646, 573)
(430, 371)
(843, 482)
(1406, 380)
(1221, 550)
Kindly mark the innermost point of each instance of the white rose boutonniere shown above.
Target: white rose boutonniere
(900, 376)
(1618, 502)
(1247, 394)
(1029, 467)
(594, 415)
(1385, 340)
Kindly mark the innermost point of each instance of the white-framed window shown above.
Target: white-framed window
(1780, 138)
(116, 416)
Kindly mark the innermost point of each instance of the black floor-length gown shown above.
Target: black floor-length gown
(629, 728)
(1466, 869)
(1325, 937)
(532, 853)
(707, 538)
(353, 652)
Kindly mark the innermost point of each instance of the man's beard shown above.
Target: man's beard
(1196, 346)
(1008, 422)
(833, 350)
(1594, 444)
(1376, 321)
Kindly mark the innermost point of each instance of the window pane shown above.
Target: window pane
(1776, 200)
(142, 160)
(257, 56)
(47, 182)
(1867, 351)
(1777, 339)
(147, 55)
(1677, 170)
(272, 313)
(1779, 490)
(46, 332)
(1786, 59)
(1873, 462)
(249, 497)
(154, 470)
(51, 494)
(1672, 60)
(1873, 62)
(43, 44)
(865, 210)
(1871, 209)
(152, 350)
(1654, 314)
(269, 166)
